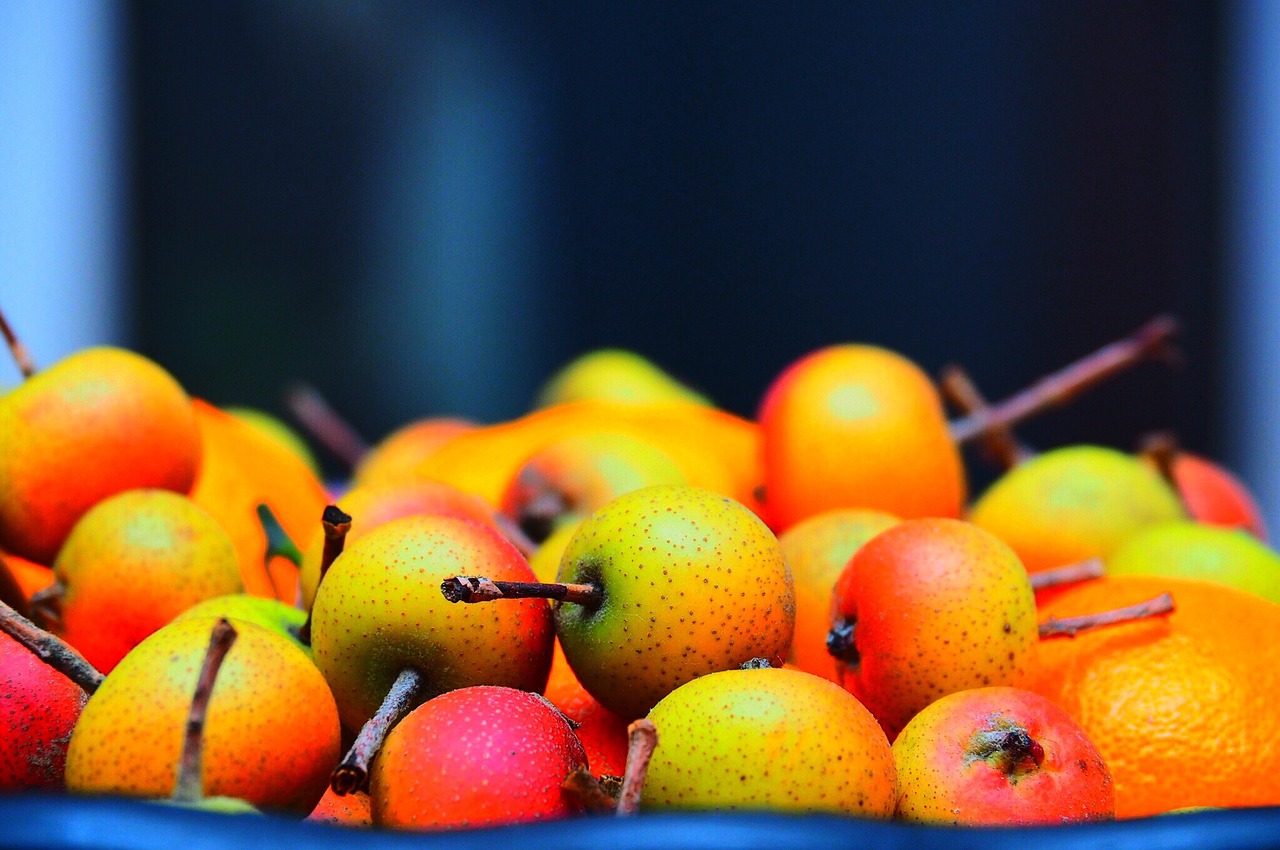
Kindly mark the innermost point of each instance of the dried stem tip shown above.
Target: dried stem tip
(1070, 626)
(481, 589)
(352, 772)
(642, 738)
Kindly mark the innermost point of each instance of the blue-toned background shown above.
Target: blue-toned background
(427, 207)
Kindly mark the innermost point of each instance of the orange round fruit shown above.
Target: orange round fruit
(1182, 707)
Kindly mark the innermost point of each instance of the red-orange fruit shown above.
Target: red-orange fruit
(38, 709)
(999, 756)
(1215, 496)
(856, 426)
(477, 756)
(397, 455)
(354, 809)
(98, 422)
(603, 734)
(932, 606)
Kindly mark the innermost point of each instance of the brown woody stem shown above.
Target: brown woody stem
(642, 739)
(19, 351)
(998, 442)
(481, 589)
(352, 772)
(1070, 626)
(589, 792)
(50, 649)
(1152, 339)
(323, 423)
(190, 785)
(1089, 568)
(336, 524)
(1162, 449)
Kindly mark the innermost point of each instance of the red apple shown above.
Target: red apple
(999, 756)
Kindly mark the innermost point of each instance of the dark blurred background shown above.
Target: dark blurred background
(426, 208)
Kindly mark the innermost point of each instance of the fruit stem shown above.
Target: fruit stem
(320, 420)
(538, 503)
(19, 351)
(336, 524)
(1161, 448)
(1150, 340)
(642, 739)
(190, 784)
(1070, 626)
(998, 443)
(589, 792)
(50, 649)
(1089, 568)
(279, 543)
(352, 772)
(481, 589)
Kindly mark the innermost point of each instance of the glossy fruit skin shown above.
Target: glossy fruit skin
(134, 562)
(857, 426)
(602, 733)
(98, 422)
(693, 582)
(350, 810)
(1213, 495)
(1183, 706)
(279, 431)
(397, 455)
(770, 739)
(473, 757)
(1073, 503)
(379, 610)
(271, 734)
(1189, 549)
(940, 606)
(943, 777)
(244, 468)
(369, 506)
(38, 709)
(817, 549)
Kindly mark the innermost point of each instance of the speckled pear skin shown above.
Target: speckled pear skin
(478, 756)
(939, 606)
(271, 736)
(38, 709)
(132, 563)
(769, 739)
(693, 582)
(98, 422)
(379, 610)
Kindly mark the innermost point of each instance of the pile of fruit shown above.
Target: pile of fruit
(629, 600)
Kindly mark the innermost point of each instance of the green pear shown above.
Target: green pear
(687, 582)
(379, 612)
(614, 374)
(1073, 503)
(273, 614)
(1188, 549)
(276, 429)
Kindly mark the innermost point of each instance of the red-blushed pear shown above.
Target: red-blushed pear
(571, 477)
(371, 505)
(271, 735)
(933, 606)
(98, 422)
(132, 563)
(474, 757)
(660, 586)
(857, 426)
(817, 549)
(999, 756)
(38, 709)
(602, 733)
(382, 633)
(768, 739)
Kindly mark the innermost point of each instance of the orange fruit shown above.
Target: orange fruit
(1183, 707)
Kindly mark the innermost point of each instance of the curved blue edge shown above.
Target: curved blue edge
(59, 822)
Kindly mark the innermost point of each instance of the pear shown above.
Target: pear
(1188, 549)
(278, 430)
(688, 582)
(1073, 503)
(615, 374)
(98, 422)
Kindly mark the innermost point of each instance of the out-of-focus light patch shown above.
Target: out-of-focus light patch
(62, 216)
(1252, 329)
